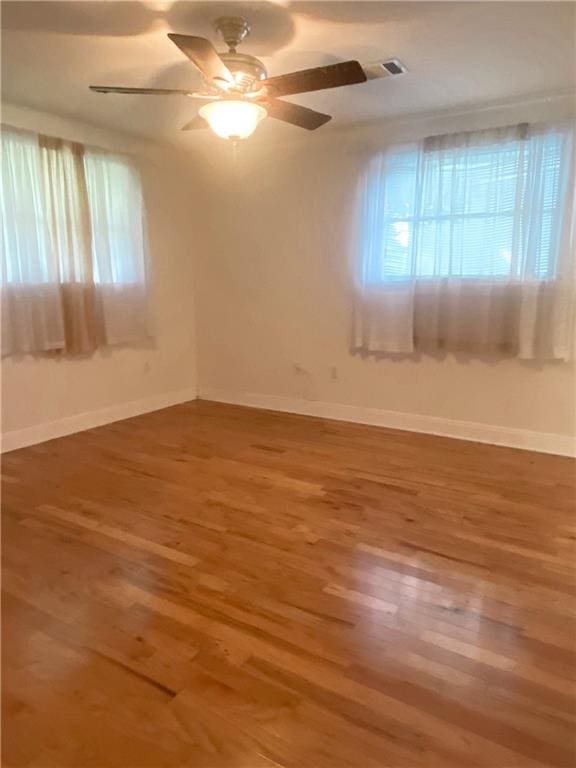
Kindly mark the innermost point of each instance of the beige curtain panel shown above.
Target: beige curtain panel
(466, 244)
(73, 247)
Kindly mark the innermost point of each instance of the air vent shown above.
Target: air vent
(384, 69)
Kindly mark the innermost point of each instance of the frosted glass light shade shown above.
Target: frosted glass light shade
(233, 119)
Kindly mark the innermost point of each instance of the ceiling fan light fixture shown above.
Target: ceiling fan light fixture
(237, 84)
(232, 118)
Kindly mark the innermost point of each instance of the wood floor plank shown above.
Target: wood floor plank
(225, 587)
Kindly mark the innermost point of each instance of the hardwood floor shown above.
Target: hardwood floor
(217, 586)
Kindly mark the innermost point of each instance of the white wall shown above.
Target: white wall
(274, 308)
(43, 397)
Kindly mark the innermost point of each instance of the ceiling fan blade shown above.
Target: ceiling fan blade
(195, 123)
(317, 79)
(145, 91)
(296, 114)
(203, 54)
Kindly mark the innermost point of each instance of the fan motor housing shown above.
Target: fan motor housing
(247, 70)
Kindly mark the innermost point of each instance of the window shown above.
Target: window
(466, 243)
(73, 246)
(485, 206)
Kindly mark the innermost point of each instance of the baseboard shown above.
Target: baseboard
(81, 421)
(543, 442)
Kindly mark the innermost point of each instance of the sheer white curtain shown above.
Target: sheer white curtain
(466, 243)
(73, 259)
(118, 245)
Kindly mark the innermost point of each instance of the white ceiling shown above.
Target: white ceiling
(458, 54)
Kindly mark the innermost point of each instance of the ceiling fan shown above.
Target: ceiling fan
(239, 92)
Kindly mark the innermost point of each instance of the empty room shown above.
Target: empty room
(288, 301)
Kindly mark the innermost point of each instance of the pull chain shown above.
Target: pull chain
(235, 154)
